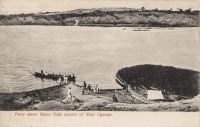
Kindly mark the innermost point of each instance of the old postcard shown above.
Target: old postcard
(101, 63)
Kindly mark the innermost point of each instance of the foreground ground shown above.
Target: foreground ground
(55, 99)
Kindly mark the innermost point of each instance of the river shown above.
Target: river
(93, 54)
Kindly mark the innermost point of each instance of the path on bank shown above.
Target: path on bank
(137, 96)
(133, 93)
(88, 100)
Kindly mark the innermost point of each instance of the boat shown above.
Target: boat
(42, 75)
(54, 76)
(71, 78)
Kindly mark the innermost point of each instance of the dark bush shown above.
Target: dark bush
(177, 81)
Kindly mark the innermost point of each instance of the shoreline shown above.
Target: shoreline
(131, 99)
(51, 99)
(109, 25)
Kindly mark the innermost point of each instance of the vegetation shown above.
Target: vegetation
(108, 17)
(177, 81)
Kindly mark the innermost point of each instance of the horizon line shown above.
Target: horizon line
(173, 9)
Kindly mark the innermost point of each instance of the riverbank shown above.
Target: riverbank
(107, 17)
(54, 99)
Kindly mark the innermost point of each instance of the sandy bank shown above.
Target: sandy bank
(50, 99)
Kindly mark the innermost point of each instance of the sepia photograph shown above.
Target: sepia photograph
(114, 55)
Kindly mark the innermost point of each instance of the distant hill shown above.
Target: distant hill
(108, 17)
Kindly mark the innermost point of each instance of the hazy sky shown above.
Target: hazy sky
(34, 6)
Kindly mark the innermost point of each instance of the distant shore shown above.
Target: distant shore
(106, 17)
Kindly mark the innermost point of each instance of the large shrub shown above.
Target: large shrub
(177, 81)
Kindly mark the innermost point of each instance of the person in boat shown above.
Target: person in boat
(73, 78)
(42, 72)
(46, 74)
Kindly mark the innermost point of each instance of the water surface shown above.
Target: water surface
(93, 54)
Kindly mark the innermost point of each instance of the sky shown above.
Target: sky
(35, 6)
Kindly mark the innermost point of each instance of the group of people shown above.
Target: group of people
(47, 73)
(63, 79)
(87, 88)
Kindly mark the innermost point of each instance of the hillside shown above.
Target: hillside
(107, 17)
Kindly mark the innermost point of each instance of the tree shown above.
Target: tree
(156, 9)
(143, 9)
(178, 9)
(188, 10)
